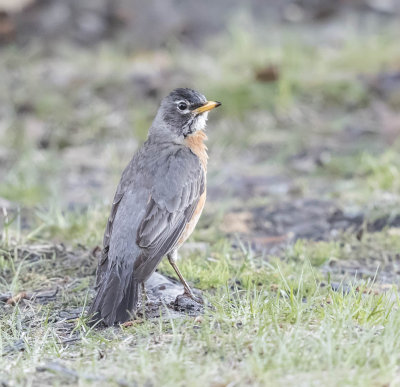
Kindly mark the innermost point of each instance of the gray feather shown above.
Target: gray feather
(156, 198)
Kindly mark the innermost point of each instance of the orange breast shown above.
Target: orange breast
(192, 223)
(196, 144)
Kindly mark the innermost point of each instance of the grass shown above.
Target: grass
(255, 338)
(366, 179)
(81, 226)
(270, 320)
(267, 322)
(323, 74)
(91, 99)
(382, 172)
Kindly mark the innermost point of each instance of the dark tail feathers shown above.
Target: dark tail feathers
(117, 295)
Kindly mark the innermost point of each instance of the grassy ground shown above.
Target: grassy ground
(304, 120)
(274, 321)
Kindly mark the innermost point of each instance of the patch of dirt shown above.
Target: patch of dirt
(366, 267)
(270, 227)
(245, 187)
(64, 275)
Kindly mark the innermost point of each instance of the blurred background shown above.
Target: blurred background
(305, 144)
(298, 248)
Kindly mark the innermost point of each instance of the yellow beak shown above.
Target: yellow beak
(206, 107)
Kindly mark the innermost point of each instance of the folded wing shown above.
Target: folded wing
(179, 183)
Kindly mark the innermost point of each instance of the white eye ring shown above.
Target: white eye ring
(182, 106)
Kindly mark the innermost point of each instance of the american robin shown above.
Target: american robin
(158, 202)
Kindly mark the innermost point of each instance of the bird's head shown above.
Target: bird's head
(182, 113)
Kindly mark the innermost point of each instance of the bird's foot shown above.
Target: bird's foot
(188, 301)
(191, 295)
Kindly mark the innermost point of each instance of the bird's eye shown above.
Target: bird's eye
(182, 106)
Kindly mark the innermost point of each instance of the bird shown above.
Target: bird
(157, 204)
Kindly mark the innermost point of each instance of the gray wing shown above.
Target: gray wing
(125, 181)
(102, 266)
(179, 183)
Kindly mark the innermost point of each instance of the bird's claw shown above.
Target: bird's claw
(192, 296)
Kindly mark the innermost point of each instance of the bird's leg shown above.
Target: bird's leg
(172, 257)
